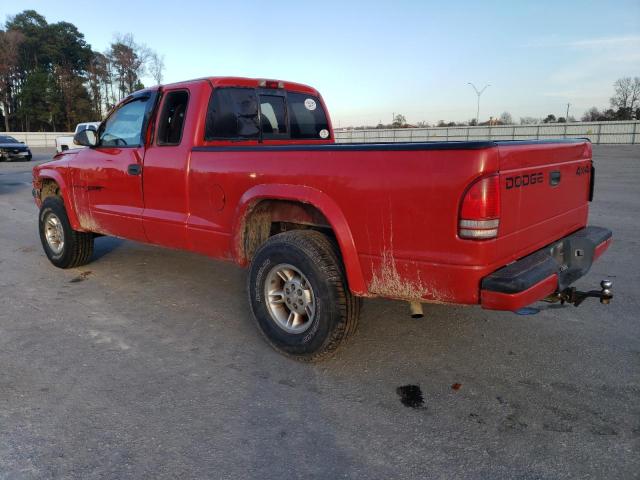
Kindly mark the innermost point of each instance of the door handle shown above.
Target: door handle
(554, 178)
(134, 169)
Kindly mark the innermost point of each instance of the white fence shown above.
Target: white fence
(37, 139)
(625, 132)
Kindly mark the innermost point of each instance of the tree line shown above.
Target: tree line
(51, 79)
(624, 105)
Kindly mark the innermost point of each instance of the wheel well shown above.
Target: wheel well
(270, 217)
(50, 188)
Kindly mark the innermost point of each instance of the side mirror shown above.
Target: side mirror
(85, 138)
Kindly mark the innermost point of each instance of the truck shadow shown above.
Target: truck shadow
(104, 246)
(488, 373)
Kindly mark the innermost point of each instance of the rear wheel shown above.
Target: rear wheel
(299, 296)
(65, 247)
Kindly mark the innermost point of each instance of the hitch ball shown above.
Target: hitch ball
(605, 294)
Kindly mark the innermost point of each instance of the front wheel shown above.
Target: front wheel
(65, 247)
(299, 295)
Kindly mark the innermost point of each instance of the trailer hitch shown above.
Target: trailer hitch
(576, 297)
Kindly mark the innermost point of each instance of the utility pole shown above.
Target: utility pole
(478, 93)
(567, 117)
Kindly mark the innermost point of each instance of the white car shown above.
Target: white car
(66, 143)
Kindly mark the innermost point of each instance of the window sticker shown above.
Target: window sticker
(310, 104)
(324, 133)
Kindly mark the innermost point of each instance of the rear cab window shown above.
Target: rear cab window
(308, 118)
(241, 113)
(273, 116)
(232, 115)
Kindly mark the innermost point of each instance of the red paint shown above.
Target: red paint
(515, 301)
(600, 249)
(403, 204)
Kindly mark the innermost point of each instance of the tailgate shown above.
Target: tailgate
(544, 190)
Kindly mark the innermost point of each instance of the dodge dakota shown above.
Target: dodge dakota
(247, 170)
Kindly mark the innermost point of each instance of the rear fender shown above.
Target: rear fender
(315, 198)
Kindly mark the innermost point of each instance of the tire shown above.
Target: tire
(76, 247)
(311, 259)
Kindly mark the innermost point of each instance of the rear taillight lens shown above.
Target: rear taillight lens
(480, 210)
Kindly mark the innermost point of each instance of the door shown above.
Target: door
(113, 170)
(165, 173)
(232, 116)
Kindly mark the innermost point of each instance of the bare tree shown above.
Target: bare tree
(399, 121)
(97, 77)
(129, 61)
(529, 120)
(626, 96)
(9, 48)
(156, 67)
(506, 118)
(109, 94)
(591, 115)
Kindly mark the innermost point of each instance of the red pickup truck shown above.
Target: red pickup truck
(247, 170)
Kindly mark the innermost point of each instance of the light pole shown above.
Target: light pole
(478, 93)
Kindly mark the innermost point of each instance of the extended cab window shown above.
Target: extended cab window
(171, 121)
(123, 128)
(307, 117)
(273, 116)
(232, 114)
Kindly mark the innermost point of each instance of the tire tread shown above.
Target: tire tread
(80, 243)
(325, 253)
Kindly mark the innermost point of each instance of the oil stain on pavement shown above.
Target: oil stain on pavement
(411, 396)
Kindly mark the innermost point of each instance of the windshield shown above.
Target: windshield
(7, 139)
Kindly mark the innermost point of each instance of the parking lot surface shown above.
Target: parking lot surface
(146, 364)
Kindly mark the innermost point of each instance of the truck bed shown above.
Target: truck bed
(401, 202)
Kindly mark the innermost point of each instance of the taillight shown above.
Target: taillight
(592, 181)
(480, 210)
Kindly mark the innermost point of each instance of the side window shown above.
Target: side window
(171, 121)
(307, 118)
(124, 127)
(232, 114)
(273, 115)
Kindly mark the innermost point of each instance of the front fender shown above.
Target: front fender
(319, 200)
(65, 192)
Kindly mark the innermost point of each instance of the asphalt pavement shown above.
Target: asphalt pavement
(146, 364)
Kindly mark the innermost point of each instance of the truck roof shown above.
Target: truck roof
(246, 82)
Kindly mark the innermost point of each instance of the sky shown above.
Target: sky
(373, 59)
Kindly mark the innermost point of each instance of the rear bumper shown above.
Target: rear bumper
(544, 272)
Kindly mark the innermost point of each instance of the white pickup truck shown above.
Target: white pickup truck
(66, 143)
